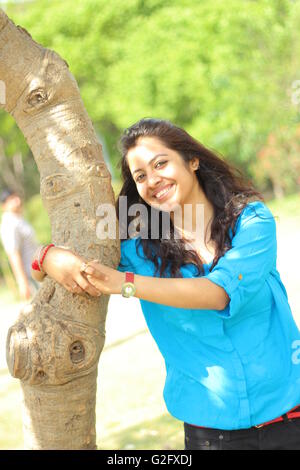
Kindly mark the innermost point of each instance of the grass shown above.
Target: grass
(287, 207)
(156, 434)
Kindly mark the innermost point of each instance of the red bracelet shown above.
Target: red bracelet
(44, 254)
(37, 263)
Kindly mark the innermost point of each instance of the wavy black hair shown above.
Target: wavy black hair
(223, 185)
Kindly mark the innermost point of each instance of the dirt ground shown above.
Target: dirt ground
(288, 260)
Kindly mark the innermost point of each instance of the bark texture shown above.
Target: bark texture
(55, 345)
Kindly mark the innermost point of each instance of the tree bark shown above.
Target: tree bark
(56, 343)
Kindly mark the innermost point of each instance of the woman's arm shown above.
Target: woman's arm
(195, 293)
(64, 266)
(239, 274)
(37, 275)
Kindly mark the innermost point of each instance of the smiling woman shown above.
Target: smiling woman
(215, 305)
(164, 176)
(166, 169)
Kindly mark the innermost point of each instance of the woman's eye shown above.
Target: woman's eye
(159, 164)
(139, 178)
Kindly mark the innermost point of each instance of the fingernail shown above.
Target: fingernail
(89, 270)
(106, 278)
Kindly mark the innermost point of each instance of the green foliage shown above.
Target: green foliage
(37, 216)
(286, 208)
(14, 143)
(223, 70)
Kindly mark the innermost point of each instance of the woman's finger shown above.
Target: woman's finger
(96, 272)
(88, 287)
(74, 288)
(99, 285)
(83, 267)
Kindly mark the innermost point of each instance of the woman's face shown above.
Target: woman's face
(163, 179)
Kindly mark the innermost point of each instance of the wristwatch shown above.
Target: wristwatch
(128, 288)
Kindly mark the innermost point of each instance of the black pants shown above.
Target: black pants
(284, 435)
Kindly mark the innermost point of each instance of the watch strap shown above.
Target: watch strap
(129, 277)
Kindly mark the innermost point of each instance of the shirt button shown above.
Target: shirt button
(207, 443)
(221, 436)
(240, 277)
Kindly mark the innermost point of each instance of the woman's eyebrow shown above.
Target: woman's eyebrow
(152, 159)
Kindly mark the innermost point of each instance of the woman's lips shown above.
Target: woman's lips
(161, 194)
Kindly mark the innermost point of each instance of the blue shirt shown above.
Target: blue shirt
(238, 367)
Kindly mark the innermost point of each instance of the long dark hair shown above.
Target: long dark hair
(223, 185)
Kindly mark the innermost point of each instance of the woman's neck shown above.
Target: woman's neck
(193, 220)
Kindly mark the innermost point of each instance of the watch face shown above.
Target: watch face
(128, 289)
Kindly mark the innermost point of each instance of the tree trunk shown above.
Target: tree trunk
(55, 345)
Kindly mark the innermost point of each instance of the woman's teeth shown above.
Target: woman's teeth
(163, 192)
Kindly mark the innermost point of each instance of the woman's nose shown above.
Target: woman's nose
(153, 180)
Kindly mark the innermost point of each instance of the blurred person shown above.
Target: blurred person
(19, 242)
(215, 305)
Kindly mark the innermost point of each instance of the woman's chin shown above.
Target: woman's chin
(169, 206)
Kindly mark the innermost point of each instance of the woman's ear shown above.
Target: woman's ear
(194, 164)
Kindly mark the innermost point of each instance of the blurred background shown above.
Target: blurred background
(229, 73)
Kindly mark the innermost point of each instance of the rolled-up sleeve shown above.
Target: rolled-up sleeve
(243, 269)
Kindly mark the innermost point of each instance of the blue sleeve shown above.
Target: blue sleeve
(244, 268)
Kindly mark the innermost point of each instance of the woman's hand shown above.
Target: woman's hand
(105, 279)
(64, 266)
